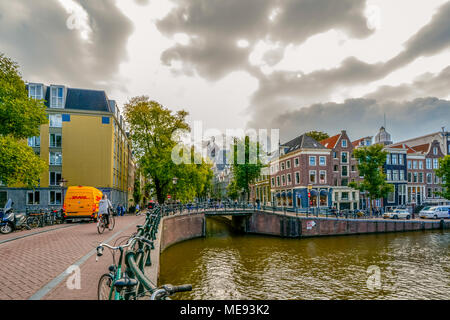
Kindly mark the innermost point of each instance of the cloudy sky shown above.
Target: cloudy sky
(293, 65)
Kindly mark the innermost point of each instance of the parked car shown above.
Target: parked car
(397, 214)
(435, 212)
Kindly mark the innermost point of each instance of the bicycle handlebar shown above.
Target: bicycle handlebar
(130, 241)
(168, 290)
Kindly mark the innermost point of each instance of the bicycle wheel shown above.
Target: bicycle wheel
(104, 287)
(112, 222)
(33, 222)
(101, 225)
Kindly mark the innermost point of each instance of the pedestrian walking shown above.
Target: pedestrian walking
(119, 210)
(137, 209)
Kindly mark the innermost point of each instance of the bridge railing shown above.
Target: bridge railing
(247, 207)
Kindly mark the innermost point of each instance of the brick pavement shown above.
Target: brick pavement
(30, 263)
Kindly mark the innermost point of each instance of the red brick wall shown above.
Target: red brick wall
(180, 228)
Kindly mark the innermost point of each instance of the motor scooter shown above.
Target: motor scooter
(11, 221)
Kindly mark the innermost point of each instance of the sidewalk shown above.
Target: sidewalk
(29, 265)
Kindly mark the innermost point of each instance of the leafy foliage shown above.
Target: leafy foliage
(20, 118)
(155, 132)
(443, 172)
(246, 166)
(318, 135)
(371, 160)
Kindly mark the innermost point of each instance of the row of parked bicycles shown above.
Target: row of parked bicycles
(126, 278)
(11, 221)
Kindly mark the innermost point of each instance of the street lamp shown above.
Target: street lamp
(62, 183)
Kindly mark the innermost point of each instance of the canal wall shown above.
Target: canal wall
(180, 228)
(297, 227)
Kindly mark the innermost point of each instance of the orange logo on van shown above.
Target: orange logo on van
(80, 197)
(97, 198)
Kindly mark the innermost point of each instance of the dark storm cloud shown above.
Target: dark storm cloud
(35, 34)
(285, 90)
(216, 25)
(436, 85)
(363, 117)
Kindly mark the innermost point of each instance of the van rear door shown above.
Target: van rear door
(80, 203)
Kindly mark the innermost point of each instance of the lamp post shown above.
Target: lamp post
(174, 180)
(62, 183)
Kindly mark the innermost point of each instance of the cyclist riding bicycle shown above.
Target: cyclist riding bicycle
(104, 207)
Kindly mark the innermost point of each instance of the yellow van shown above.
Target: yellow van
(81, 203)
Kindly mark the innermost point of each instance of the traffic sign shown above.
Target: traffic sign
(169, 196)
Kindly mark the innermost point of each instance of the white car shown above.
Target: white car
(397, 214)
(435, 212)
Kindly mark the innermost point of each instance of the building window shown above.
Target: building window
(289, 179)
(388, 159)
(322, 161)
(409, 164)
(282, 166)
(273, 182)
(312, 176)
(57, 97)
(288, 164)
(409, 177)
(400, 159)
(344, 196)
(33, 197)
(394, 159)
(296, 162)
(55, 140)
(344, 171)
(435, 164)
(344, 157)
(414, 164)
(395, 175)
(335, 155)
(55, 178)
(55, 158)
(420, 177)
(402, 175)
(420, 164)
(388, 175)
(344, 143)
(55, 121)
(55, 198)
(34, 142)
(429, 193)
(283, 180)
(35, 91)
(429, 164)
(322, 177)
(297, 178)
(344, 182)
(429, 178)
(336, 168)
(435, 151)
(278, 181)
(353, 168)
(312, 161)
(415, 177)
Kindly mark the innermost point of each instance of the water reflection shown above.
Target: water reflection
(225, 265)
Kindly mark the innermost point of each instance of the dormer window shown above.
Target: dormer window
(35, 91)
(57, 97)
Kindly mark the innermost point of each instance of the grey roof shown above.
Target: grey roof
(82, 99)
(303, 142)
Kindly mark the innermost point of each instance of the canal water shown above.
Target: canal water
(226, 265)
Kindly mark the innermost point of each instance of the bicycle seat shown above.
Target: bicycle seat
(125, 283)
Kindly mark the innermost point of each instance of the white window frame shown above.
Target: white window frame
(324, 161)
(315, 161)
(34, 141)
(34, 198)
(297, 175)
(344, 143)
(36, 96)
(56, 180)
(55, 203)
(296, 162)
(56, 101)
(325, 175)
(50, 158)
(55, 120)
(50, 140)
(315, 176)
(347, 157)
(342, 172)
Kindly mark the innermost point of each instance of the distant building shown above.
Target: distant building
(84, 142)
(383, 137)
(443, 137)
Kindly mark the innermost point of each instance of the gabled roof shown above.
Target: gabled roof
(422, 148)
(330, 142)
(303, 142)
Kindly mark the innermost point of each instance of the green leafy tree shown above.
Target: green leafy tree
(246, 163)
(152, 127)
(318, 135)
(233, 191)
(370, 166)
(20, 118)
(443, 172)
